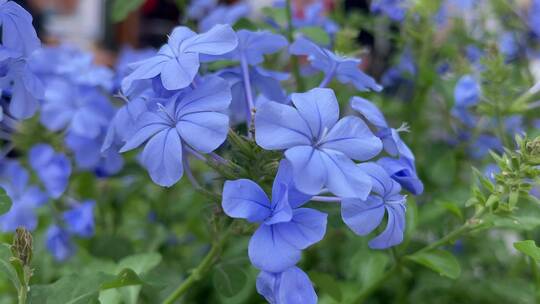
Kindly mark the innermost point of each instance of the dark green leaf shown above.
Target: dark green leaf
(529, 248)
(71, 289)
(6, 268)
(5, 201)
(440, 261)
(327, 284)
(229, 279)
(121, 8)
(126, 277)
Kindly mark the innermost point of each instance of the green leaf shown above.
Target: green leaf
(121, 8)
(126, 277)
(5, 201)
(140, 264)
(327, 284)
(228, 279)
(440, 261)
(529, 248)
(6, 268)
(317, 34)
(372, 267)
(70, 289)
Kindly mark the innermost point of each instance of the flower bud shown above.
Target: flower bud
(22, 245)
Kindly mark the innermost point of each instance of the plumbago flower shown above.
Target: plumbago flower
(53, 169)
(224, 14)
(80, 219)
(192, 119)
(177, 62)
(401, 166)
(396, 10)
(346, 70)
(26, 198)
(319, 147)
(363, 216)
(19, 41)
(285, 230)
(466, 95)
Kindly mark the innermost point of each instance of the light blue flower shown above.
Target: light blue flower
(291, 286)
(396, 10)
(26, 198)
(319, 147)
(195, 119)
(364, 216)
(80, 219)
(285, 228)
(224, 14)
(346, 70)
(177, 62)
(53, 169)
(58, 242)
(18, 34)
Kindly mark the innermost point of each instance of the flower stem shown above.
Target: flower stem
(300, 87)
(202, 269)
(328, 77)
(326, 199)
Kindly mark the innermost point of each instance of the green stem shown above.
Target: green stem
(300, 87)
(202, 269)
(467, 227)
(23, 291)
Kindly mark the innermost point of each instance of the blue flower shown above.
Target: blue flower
(403, 171)
(364, 216)
(313, 16)
(18, 34)
(58, 242)
(396, 10)
(80, 219)
(508, 46)
(195, 119)
(252, 46)
(177, 62)
(346, 70)
(473, 54)
(285, 228)
(534, 17)
(224, 14)
(83, 110)
(26, 89)
(14, 179)
(88, 155)
(53, 169)
(466, 95)
(291, 286)
(319, 147)
(403, 71)
(390, 138)
(483, 144)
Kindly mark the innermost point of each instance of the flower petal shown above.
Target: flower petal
(162, 157)
(279, 127)
(370, 111)
(362, 216)
(220, 39)
(245, 199)
(268, 251)
(344, 178)
(179, 72)
(306, 228)
(204, 131)
(395, 227)
(352, 137)
(309, 169)
(319, 109)
(145, 69)
(296, 288)
(148, 124)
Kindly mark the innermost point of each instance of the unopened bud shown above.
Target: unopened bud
(22, 245)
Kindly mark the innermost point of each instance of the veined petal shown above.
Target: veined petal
(281, 210)
(162, 157)
(243, 198)
(179, 72)
(279, 127)
(204, 131)
(213, 94)
(318, 108)
(362, 216)
(145, 69)
(148, 124)
(352, 137)
(220, 39)
(296, 288)
(268, 251)
(349, 72)
(178, 36)
(370, 111)
(309, 169)
(344, 178)
(395, 228)
(285, 176)
(306, 228)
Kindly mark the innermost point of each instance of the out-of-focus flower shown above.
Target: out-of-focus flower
(287, 287)
(58, 242)
(53, 169)
(80, 219)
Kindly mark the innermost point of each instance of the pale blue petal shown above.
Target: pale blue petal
(268, 251)
(309, 169)
(285, 176)
(319, 109)
(204, 131)
(395, 228)
(349, 72)
(162, 157)
(352, 137)
(306, 228)
(148, 124)
(245, 199)
(213, 94)
(280, 126)
(179, 73)
(296, 288)
(220, 39)
(344, 178)
(362, 216)
(145, 69)
(281, 210)
(370, 111)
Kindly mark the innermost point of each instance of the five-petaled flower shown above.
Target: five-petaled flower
(319, 146)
